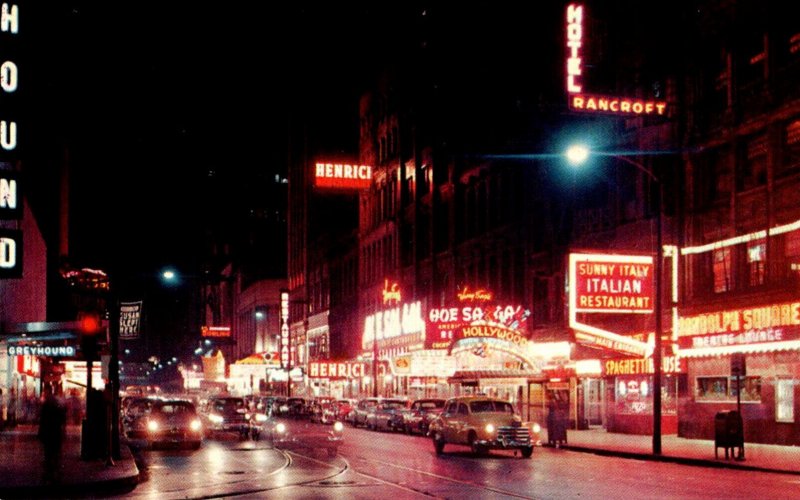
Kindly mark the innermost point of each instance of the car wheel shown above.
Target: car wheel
(473, 444)
(438, 443)
(526, 452)
(332, 452)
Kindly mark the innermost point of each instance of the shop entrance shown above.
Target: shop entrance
(593, 402)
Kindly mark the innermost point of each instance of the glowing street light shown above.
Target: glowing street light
(577, 155)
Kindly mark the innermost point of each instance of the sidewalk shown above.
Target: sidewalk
(21, 467)
(759, 457)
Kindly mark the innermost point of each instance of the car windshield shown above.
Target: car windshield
(176, 408)
(228, 404)
(491, 407)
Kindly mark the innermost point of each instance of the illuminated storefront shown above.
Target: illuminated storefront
(766, 337)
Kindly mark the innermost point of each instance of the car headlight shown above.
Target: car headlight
(216, 419)
(280, 428)
(152, 425)
(260, 417)
(489, 428)
(338, 427)
(536, 428)
(195, 425)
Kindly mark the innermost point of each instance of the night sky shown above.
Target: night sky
(148, 98)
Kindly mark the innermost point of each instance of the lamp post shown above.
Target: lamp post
(577, 155)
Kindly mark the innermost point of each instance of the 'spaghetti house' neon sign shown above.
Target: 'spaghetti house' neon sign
(581, 101)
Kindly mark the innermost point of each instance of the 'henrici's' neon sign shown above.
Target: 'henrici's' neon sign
(581, 101)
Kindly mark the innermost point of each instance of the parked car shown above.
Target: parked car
(420, 414)
(337, 411)
(380, 416)
(358, 415)
(483, 424)
(174, 421)
(226, 414)
(293, 434)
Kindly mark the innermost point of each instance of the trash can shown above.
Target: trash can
(729, 433)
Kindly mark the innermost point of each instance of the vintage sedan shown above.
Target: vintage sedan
(420, 415)
(226, 414)
(173, 421)
(483, 423)
(293, 434)
(381, 416)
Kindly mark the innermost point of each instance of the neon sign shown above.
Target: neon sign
(342, 175)
(286, 349)
(466, 295)
(590, 103)
(752, 325)
(574, 44)
(390, 293)
(613, 285)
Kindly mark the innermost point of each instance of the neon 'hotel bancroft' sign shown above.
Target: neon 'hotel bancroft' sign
(581, 101)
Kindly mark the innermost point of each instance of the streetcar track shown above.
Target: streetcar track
(445, 478)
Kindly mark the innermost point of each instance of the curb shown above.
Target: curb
(73, 490)
(673, 459)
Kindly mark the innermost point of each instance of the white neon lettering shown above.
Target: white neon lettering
(9, 20)
(8, 76)
(8, 193)
(8, 253)
(8, 135)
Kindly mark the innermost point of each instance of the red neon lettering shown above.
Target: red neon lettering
(614, 105)
(577, 102)
(574, 43)
(638, 107)
(625, 106)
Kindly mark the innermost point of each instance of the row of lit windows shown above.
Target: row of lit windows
(750, 260)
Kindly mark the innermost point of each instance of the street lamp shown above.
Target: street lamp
(577, 155)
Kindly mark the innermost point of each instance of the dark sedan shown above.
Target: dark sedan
(294, 434)
(419, 416)
(173, 422)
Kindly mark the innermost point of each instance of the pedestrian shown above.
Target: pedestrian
(52, 421)
(12, 408)
(2, 411)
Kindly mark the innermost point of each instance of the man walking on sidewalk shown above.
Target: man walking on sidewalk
(52, 420)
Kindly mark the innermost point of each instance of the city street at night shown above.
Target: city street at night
(392, 465)
(389, 250)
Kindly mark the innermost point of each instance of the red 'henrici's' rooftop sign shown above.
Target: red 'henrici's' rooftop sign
(342, 176)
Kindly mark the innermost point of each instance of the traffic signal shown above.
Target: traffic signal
(89, 326)
(89, 323)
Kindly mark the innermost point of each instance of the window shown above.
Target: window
(790, 142)
(752, 164)
(711, 389)
(792, 253)
(722, 270)
(756, 257)
(784, 401)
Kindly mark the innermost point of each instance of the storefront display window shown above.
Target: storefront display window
(634, 396)
(784, 401)
(724, 389)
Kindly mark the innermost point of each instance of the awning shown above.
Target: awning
(462, 375)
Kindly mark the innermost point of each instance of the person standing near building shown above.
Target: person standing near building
(2, 411)
(52, 420)
(11, 413)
